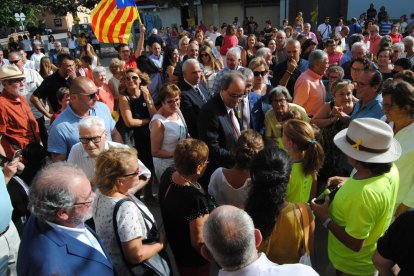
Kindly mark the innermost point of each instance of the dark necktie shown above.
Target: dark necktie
(234, 123)
(200, 93)
(245, 113)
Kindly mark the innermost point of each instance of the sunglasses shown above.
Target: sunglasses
(259, 73)
(132, 78)
(14, 61)
(11, 81)
(204, 55)
(91, 96)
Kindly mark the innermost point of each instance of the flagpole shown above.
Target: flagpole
(139, 17)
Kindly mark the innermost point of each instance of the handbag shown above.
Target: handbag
(304, 222)
(127, 133)
(157, 265)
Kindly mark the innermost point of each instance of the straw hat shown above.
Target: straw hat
(368, 140)
(10, 72)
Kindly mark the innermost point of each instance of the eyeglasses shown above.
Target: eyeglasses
(237, 96)
(260, 73)
(85, 203)
(204, 55)
(132, 78)
(96, 139)
(11, 81)
(90, 95)
(137, 172)
(14, 61)
(362, 84)
(280, 101)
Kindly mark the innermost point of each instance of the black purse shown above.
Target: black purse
(157, 265)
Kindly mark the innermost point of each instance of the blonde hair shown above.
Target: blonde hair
(116, 66)
(110, 165)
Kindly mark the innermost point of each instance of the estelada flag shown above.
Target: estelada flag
(112, 20)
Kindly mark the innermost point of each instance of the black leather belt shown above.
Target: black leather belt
(4, 232)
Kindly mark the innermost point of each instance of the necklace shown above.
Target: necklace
(195, 185)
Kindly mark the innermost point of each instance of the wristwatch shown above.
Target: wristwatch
(326, 222)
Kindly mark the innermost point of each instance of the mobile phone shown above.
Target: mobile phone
(329, 191)
(3, 160)
(17, 154)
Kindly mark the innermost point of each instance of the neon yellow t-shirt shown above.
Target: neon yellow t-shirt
(299, 186)
(364, 208)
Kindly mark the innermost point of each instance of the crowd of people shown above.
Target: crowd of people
(252, 140)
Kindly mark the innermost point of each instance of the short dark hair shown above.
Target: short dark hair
(229, 78)
(376, 168)
(376, 78)
(402, 94)
(405, 75)
(62, 56)
(404, 63)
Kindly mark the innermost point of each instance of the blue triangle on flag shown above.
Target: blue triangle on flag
(120, 4)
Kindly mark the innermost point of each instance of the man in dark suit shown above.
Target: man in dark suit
(250, 109)
(218, 125)
(55, 240)
(194, 95)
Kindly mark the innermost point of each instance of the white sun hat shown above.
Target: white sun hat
(369, 140)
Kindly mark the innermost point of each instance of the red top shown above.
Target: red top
(396, 37)
(18, 126)
(229, 41)
(131, 63)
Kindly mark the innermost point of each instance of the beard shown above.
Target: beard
(22, 92)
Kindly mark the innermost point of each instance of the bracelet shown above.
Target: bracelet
(326, 222)
(149, 102)
(290, 73)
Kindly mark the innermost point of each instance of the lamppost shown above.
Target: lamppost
(20, 18)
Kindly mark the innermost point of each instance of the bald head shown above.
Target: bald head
(81, 85)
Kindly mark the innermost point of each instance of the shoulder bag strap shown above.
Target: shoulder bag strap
(183, 121)
(304, 219)
(115, 226)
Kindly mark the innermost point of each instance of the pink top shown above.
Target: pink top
(312, 36)
(335, 57)
(105, 96)
(310, 92)
(229, 41)
(374, 44)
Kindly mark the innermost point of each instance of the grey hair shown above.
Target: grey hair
(263, 52)
(293, 42)
(98, 70)
(235, 51)
(246, 72)
(90, 121)
(358, 45)
(188, 62)
(154, 31)
(229, 78)
(399, 45)
(280, 90)
(307, 24)
(51, 190)
(316, 57)
(229, 235)
(409, 41)
(336, 69)
(20, 55)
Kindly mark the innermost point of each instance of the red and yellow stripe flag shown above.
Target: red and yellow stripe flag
(112, 20)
